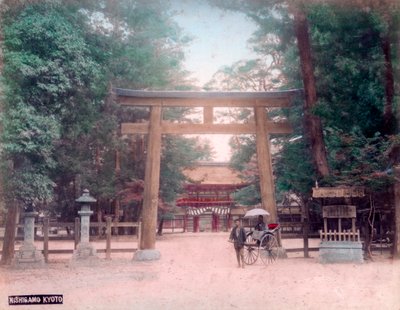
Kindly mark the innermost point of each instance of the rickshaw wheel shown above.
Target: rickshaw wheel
(250, 250)
(269, 249)
(250, 254)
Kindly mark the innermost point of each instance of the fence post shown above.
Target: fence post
(139, 234)
(108, 234)
(306, 228)
(46, 239)
(76, 232)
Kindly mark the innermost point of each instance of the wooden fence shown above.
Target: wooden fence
(344, 235)
(75, 226)
(174, 225)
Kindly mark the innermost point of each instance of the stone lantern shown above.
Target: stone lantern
(27, 254)
(84, 249)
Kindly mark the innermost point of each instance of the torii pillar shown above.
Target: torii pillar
(147, 244)
(264, 163)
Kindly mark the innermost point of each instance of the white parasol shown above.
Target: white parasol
(256, 212)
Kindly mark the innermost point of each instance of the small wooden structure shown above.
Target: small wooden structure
(339, 245)
(339, 212)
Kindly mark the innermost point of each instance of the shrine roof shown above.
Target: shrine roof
(212, 187)
(213, 173)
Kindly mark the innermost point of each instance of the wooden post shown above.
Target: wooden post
(196, 223)
(265, 165)
(306, 225)
(108, 240)
(77, 232)
(396, 242)
(118, 175)
(139, 234)
(46, 239)
(353, 228)
(151, 181)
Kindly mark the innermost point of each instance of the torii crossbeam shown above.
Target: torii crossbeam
(156, 127)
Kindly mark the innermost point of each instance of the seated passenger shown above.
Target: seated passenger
(260, 226)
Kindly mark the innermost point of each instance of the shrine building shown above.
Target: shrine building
(207, 203)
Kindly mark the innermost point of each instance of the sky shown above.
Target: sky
(219, 39)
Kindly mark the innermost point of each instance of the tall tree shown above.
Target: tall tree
(312, 122)
(349, 77)
(257, 10)
(60, 62)
(48, 73)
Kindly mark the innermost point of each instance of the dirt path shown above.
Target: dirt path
(198, 271)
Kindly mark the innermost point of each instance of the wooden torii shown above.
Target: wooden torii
(156, 127)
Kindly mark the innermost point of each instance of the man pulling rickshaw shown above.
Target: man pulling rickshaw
(261, 241)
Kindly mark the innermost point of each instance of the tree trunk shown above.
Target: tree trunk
(305, 218)
(116, 201)
(396, 242)
(160, 227)
(388, 116)
(99, 214)
(313, 125)
(9, 234)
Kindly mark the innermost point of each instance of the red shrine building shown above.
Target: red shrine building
(207, 203)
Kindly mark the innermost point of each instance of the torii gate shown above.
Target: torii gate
(156, 127)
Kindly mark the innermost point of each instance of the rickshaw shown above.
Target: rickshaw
(262, 244)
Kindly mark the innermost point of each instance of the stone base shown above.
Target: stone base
(84, 251)
(28, 257)
(146, 255)
(340, 252)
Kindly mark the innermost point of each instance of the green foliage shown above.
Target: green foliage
(59, 126)
(29, 184)
(349, 67)
(48, 60)
(250, 75)
(145, 47)
(294, 169)
(29, 134)
(50, 78)
(248, 196)
(359, 160)
(178, 153)
(28, 141)
(243, 149)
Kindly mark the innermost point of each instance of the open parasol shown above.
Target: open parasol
(256, 212)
